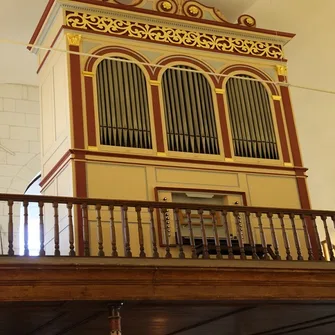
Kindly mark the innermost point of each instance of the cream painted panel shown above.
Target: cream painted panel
(65, 182)
(61, 97)
(189, 177)
(273, 191)
(47, 108)
(55, 156)
(116, 181)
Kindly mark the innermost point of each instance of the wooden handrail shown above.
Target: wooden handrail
(231, 230)
(159, 205)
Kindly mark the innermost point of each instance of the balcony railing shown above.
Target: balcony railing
(116, 228)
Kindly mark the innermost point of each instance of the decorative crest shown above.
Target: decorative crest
(192, 9)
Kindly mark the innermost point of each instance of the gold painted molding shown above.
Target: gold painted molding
(92, 148)
(230, 160)
(276, 97)
(288, 164)
(88, 74)
(220, 91)
(174, 36)
(155, 83)
(74, 39)
(161, 154)
(281, 70)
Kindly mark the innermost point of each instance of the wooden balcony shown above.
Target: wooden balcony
(178, 268)
(99, 249)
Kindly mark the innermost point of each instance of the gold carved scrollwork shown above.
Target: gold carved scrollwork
(174, 36)
(74, 39)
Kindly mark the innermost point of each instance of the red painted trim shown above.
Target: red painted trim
(76, 99)
(80, 187)
(58, 166)
(114, 49)
(282, 132)
(292, 132)
(224, 126)
(41, 23)
(253, 70)
(47, 54)
(186, 59)
(155, 92)
(305, 204)
(188, 161)
(90, 112)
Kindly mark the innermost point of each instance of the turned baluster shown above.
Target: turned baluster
(190, 227)
(179, 235)
(307, 239)
(318, 241)
(226, 227)
(274, 237)
(328, 239)
(263, 240)
(286, 243)
(25, 227)
(167, 231)
(296, 238)
(86, 233)
(101, 252)
(72, 252)
(239, 234)
(203, 234)
(112, 231)
(40, 206)
(126, 233)
(153, 233)
(56, 228)
(216, 235)
(250, 235)
(140, 231)
(10, 228)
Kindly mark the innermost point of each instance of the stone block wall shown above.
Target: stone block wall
(19, 149)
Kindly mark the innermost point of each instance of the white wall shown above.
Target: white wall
(311, 64)
(19, 146)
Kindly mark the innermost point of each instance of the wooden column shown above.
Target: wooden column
(155, 93)
(77, 127)
(288, 111)
(114, 318)
(296, 154)
(223, 123)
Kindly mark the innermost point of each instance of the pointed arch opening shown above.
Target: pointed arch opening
(189, 112)
(251, 119)
(123, 105)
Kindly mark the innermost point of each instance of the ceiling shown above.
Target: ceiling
(18, 21)
(189, 318)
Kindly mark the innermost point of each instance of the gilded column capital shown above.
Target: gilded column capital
(281, 70)
(73, 39)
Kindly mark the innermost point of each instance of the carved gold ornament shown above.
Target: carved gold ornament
(74, 39)
(193, 10)
(175, 36)
(167, 5)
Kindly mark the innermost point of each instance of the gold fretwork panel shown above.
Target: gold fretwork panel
(155, 33)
